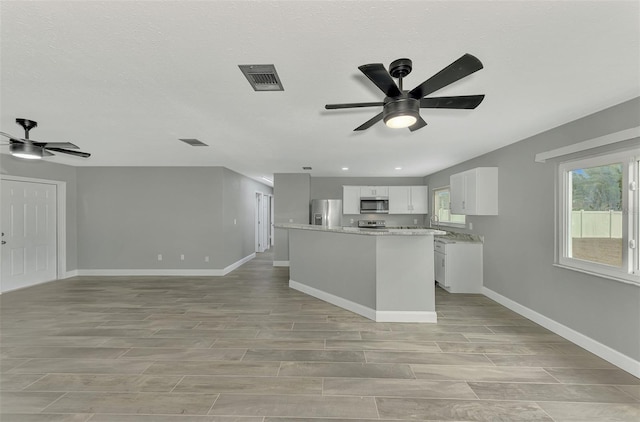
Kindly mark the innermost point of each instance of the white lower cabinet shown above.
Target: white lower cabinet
(458, 266)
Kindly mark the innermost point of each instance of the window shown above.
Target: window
(598, 215)
(442, 208)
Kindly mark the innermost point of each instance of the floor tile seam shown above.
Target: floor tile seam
(617, 387)
(53, 402)
(177, 383)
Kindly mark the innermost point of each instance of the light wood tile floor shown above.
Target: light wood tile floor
(246, 348)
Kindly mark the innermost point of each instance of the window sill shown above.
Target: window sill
(634, 280)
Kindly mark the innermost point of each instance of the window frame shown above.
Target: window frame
(629, 271)
(435, 213)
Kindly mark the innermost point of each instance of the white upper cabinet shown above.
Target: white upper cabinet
(408, 200)
(374, 191)
(351, 199)
(475, 191)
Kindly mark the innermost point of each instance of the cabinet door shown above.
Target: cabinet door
(351, 199)
(419, 200)
(373, 191)
(399, 197)
(457, 193)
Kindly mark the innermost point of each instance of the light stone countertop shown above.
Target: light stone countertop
(363, 231)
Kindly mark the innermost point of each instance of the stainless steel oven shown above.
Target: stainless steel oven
(374, 206)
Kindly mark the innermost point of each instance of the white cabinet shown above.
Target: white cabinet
(374, 191)
(351, 199)
(475, 191)
(408, 200)
(458, 266)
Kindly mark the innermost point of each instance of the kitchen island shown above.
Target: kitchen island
(381, 274)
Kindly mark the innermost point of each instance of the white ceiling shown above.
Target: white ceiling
(125, 79)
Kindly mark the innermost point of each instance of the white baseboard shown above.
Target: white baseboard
(69, 274)
(365, 311)
(167, 272)
(605, 352)
(407, 316)
(280, 263)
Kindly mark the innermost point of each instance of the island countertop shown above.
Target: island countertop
(363, 231)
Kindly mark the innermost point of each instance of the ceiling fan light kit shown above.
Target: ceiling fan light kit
(400, 108)
(401, 113)
(26, 151)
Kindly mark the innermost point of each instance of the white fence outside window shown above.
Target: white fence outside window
(596, 224)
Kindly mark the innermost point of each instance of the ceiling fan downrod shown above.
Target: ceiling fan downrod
(27, 125)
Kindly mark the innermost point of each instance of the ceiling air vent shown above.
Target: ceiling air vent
(194, 142)
(262, 77)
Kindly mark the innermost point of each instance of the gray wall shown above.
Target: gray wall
(123, 217)
(291, 205)
(50, 171)
(519, 242)
(129, 215)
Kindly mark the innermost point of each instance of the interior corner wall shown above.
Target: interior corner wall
(291, 205)
(238, 217)
(519, 242)
(39, 169)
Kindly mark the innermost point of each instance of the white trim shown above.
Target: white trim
(61, 218)
(407, 316)
(70, 274)
(167, 272)
(365, 311)
(605, 352)
(612, 138)
(280, 263)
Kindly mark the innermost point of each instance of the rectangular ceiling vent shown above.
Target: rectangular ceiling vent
(262, 77)
(194, 142)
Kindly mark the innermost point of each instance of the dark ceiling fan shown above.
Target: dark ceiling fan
(30, 149)
(401, 108)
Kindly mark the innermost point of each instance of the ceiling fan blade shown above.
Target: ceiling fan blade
(366, 125)
(352, 105)
(463, 101)
(13, 138)
(464, 66)
(379, 76)
(70, 152)
(55, 144)
(417, 125)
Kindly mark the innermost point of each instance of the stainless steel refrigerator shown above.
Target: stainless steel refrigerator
(326, 212)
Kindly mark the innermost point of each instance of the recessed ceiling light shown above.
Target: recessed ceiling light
(398, 168)
(345, 168)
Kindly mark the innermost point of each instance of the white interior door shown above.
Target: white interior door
(28, 221)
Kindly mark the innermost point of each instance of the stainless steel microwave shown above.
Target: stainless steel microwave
(374, 206)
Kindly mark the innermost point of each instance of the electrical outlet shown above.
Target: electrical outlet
(415, 221)
(206, 259)
(351, 221)
(159, 257)
(234, 222)
(291, 220)
(470, 226)
(181, 257)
